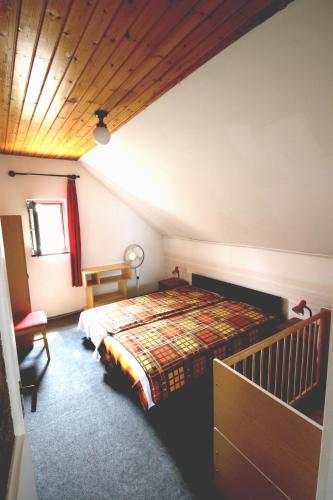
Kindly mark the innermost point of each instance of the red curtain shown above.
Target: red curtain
(74, 233)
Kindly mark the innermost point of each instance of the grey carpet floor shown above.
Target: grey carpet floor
(91, 440)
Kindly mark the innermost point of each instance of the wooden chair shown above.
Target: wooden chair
(28, 325)
(32, 324)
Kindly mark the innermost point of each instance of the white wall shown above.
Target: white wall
(241, 150)
(290, 275)
(107, 227)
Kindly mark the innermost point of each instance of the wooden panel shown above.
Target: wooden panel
(137, 64)
(61, 60)
(88, 47)
(8, 33)
(284, 444)
(106, 62)
(54, 18)
(230, 465)
(31, 16)
(16, 264)
(266, 301)
(78, 19)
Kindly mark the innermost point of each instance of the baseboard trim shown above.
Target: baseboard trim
(61, 316)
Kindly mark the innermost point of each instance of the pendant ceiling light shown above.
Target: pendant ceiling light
(101, 134)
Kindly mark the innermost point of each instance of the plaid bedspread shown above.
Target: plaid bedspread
(175, 351)
(129, 313)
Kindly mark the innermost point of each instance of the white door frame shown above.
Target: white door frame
(9, 347)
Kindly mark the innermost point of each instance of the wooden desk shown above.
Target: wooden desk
(94, 277)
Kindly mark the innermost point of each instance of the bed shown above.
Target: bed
(163, 351)
(113, 318)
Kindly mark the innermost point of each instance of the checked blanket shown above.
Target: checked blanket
(175, 351)
(129, 313)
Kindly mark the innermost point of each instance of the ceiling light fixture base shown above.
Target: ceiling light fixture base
(101, 114)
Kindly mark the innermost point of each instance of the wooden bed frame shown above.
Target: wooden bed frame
(264, 447)
(265, 301)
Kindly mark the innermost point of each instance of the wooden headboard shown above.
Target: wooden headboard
(265, 301)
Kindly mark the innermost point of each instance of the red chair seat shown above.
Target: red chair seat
(31, 320)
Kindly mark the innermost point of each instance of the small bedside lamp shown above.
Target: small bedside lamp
(299, 309)
(176, 271)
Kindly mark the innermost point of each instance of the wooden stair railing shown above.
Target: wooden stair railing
(290, 363)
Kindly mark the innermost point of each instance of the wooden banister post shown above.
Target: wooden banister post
(323, 345)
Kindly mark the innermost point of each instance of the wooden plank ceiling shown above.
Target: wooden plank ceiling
(61, 60)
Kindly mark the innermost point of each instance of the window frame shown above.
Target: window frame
(35, 237)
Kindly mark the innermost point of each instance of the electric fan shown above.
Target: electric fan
(134, 256)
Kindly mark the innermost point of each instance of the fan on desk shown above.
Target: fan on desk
(134, 256)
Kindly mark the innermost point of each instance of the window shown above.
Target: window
(47, 227)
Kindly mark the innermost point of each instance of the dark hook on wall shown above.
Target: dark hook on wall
(11, 173)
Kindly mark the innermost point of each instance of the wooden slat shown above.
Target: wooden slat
(290, 360)
(261, 368)
(314, 352)
(54, 19)
(9, 16)
(103, 64)
(79, 16)
(283, 377)
(308, 356)
(253, 367)
(31, 16)
(277, 361)
(302, 360)
(296, 371)
(96, 31)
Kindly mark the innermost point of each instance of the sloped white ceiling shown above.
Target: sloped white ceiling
(241, 151)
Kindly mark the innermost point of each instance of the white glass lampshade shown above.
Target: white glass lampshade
(101, 135)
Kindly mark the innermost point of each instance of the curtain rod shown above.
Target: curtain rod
(11, 173)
